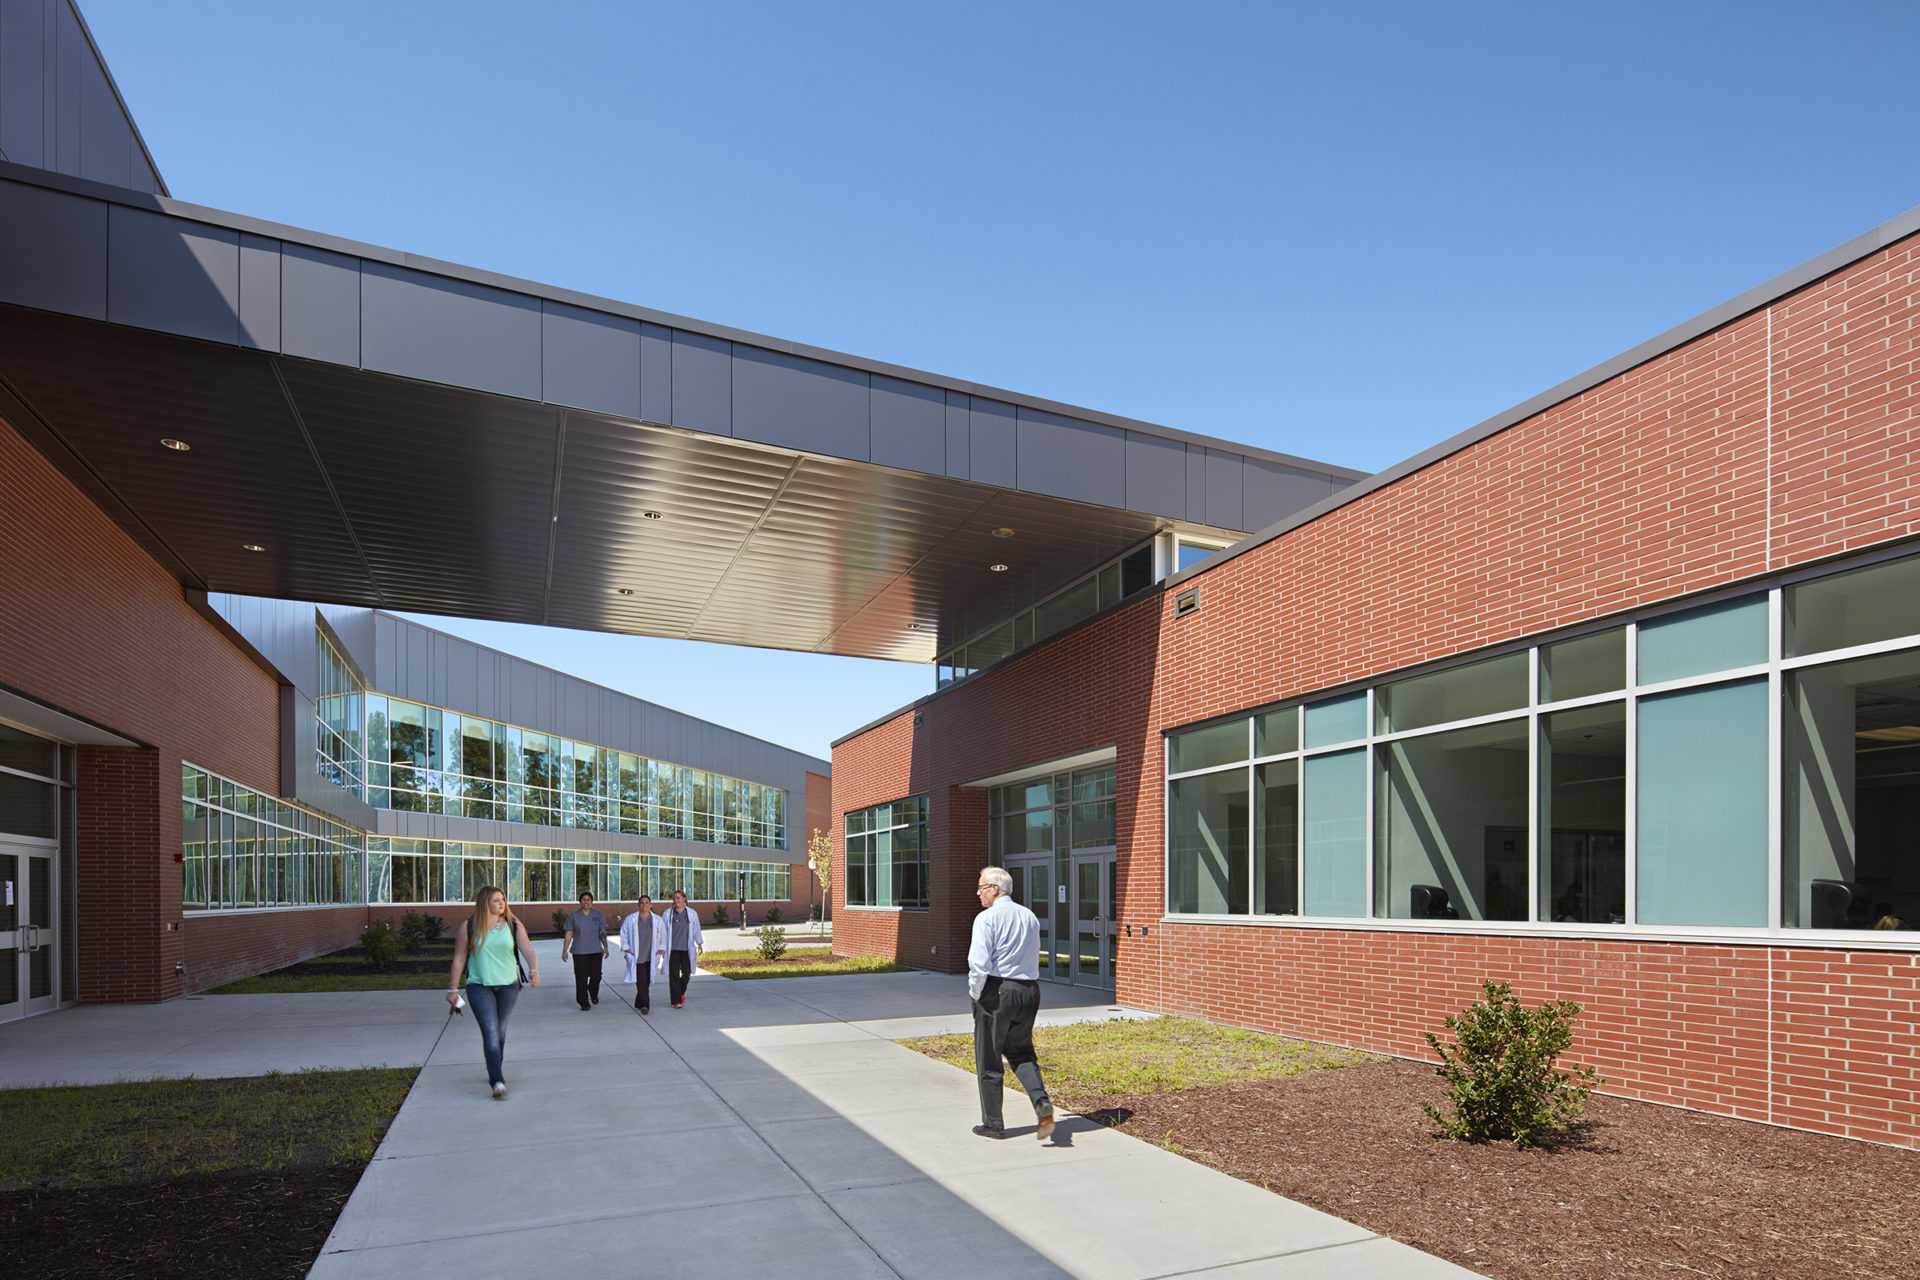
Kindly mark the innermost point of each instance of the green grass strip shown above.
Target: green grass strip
(1158, 1055)
(149, 1130)
(361, 980)
(742, 971)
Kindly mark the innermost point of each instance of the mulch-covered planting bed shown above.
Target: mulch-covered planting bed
(251, 1226)
(1636, 1190)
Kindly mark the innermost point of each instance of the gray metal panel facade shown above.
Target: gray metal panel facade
(59, 109)
(1226, 504)
(320, 305)
(53, 251)
(589, 360)
(959, 437)
(1196, 482)
(990, 432)
(259, 293)
(1274, 492)
(799, 403)
(177, 277)
(1156, 475)
(656, 373)
(441, 330)
(909, 425)
(702, 383)
(1079, 460)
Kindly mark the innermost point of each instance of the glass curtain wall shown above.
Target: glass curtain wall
(1034, 827)
(339, 709)
(406, 871)
(1631, 776)
(428, 760)
(240, 848)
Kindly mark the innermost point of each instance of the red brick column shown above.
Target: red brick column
(128, 881)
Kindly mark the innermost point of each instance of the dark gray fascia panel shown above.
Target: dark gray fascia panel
(172, 276)
(990, 435)
(53, 251)
(1226, 491)
(590, 360)
(702, 383)
(1273, 490)
(1156, 476)
(909, 425)
(1067, 459)
(797, 403)
(959, 435)
(259, 293)
(448, 331)
(319, 305)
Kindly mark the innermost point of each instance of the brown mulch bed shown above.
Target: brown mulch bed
(252, 1226)
(1636, 1189)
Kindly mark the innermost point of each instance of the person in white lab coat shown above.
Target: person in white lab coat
(684, 945)
(643, 941)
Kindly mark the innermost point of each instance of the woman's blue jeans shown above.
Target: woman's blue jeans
(491, 1006)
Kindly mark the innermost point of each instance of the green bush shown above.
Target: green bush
(773, 941)
(417, 928)
(559, 922)
(720, 917)
(379, 945)
(773, 915)
(1502, 1079)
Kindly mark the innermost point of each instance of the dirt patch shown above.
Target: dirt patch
(1636, 1189)
(252, 1226)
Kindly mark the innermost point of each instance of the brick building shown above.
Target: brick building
(1615, 696)
(205, 418)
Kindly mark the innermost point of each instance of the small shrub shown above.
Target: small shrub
(417, 928)
(773, 941)
(379, 945)
(1502, 1079)
(720, 918)
(559, 922)
(773, 915)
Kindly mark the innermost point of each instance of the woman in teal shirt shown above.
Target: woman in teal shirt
(484, 946)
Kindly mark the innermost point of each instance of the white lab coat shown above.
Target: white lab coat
(656, 960)
(694, 940)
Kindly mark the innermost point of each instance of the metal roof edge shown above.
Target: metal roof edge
(1787, 282)
(248, 225)
(113, 87)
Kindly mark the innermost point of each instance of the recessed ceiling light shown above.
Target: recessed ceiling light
(916, 626)
(1003, 532)
(178, 446)
(625, 591)
(998, 568)
(251, 546)
(651, 515)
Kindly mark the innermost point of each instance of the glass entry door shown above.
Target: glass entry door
(28, 950)
(1033, 889)
(1094, 950)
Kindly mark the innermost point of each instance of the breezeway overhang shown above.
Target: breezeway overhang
(366, 427)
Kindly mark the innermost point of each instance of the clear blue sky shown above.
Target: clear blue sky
(1342, 231)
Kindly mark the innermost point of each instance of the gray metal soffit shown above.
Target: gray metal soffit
(366, 430)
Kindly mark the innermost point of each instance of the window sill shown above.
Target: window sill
(1832, 939)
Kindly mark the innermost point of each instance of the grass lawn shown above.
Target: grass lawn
(151, 1130)
(798, 962)
(1159, 1055)
(362, 979)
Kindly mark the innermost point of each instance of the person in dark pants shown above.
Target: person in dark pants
(643, 940)
(1003, 971)
(683, 945)
(586, 937)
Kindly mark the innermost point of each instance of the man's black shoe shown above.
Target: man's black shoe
(989, 1131)
(595, 999)
(586, 1008)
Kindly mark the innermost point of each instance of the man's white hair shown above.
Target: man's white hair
(999, 877)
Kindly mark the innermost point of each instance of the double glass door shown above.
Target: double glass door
(28, 954)
(1095, 895)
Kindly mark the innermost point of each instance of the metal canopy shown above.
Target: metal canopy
(447, 442)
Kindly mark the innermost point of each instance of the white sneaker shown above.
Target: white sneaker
(500, 1093)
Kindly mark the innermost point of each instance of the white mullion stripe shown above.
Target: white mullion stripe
(1632, 912)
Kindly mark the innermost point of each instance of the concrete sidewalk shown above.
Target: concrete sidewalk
(769, 1125)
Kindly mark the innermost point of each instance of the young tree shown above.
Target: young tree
(820, 858)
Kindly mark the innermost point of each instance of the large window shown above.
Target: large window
(429, 760)
(887, 855)
(339, 717)
(1628, 777)
(401, 870)
(242, 848)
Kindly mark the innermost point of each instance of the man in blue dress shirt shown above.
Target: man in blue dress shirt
(1003, 977)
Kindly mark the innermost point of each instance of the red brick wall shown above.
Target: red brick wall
(221, 946)
(91, 624)
(1785, 436)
